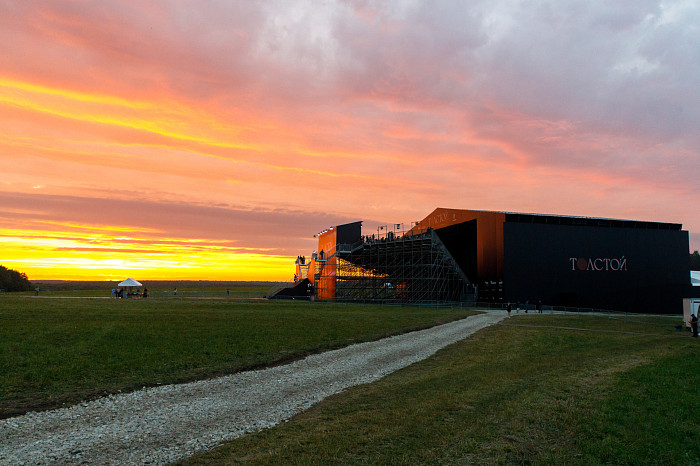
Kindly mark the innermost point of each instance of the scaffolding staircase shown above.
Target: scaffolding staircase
(302, 269)
(415, 269)
(441, 245)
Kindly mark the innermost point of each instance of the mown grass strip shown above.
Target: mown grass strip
(510, 395)
(56, 351)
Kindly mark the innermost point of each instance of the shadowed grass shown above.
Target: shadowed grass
(62, 350)
(510, 395)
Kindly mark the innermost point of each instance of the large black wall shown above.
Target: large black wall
(625, 269)
(460, 240)
(348, 233)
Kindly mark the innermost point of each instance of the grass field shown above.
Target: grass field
(535, 391)
(57, 350)
(158, 289)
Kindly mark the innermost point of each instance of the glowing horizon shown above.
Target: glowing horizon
(165, 139)
(91, 252)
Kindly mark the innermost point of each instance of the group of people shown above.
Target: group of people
(121, 293)
(538, 306)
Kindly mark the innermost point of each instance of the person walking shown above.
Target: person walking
(694, 324)
(509, 308)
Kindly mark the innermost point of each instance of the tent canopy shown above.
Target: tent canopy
(129, 282)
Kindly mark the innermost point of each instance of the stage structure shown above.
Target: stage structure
(392, 269)
(456, 255)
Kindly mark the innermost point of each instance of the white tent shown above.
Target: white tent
(129, 282)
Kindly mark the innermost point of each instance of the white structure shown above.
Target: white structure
(691, 305)
(130, 282)
(695, 277)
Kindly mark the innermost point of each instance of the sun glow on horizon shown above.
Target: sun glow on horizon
(54, 255)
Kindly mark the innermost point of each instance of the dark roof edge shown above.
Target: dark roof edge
(588, 221)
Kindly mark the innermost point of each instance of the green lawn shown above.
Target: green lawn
(62, 350)
(526, 394)
(189, 291)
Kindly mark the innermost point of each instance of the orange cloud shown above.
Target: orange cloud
(166, 119)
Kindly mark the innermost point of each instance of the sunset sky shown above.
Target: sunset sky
(212, 139)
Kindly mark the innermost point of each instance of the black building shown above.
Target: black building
(571, 261)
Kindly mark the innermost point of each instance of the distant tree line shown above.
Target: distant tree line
(11, 280)
(695, 261)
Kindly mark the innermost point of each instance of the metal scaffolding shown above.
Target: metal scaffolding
(408, 269)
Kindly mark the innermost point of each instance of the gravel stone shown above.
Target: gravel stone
(163, 424)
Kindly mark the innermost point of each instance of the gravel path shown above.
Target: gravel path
(163, 424)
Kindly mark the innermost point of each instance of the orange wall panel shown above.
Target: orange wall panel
(327, 242)
(312, 271)
(489, 232)
(326, 246)
(327, 280)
